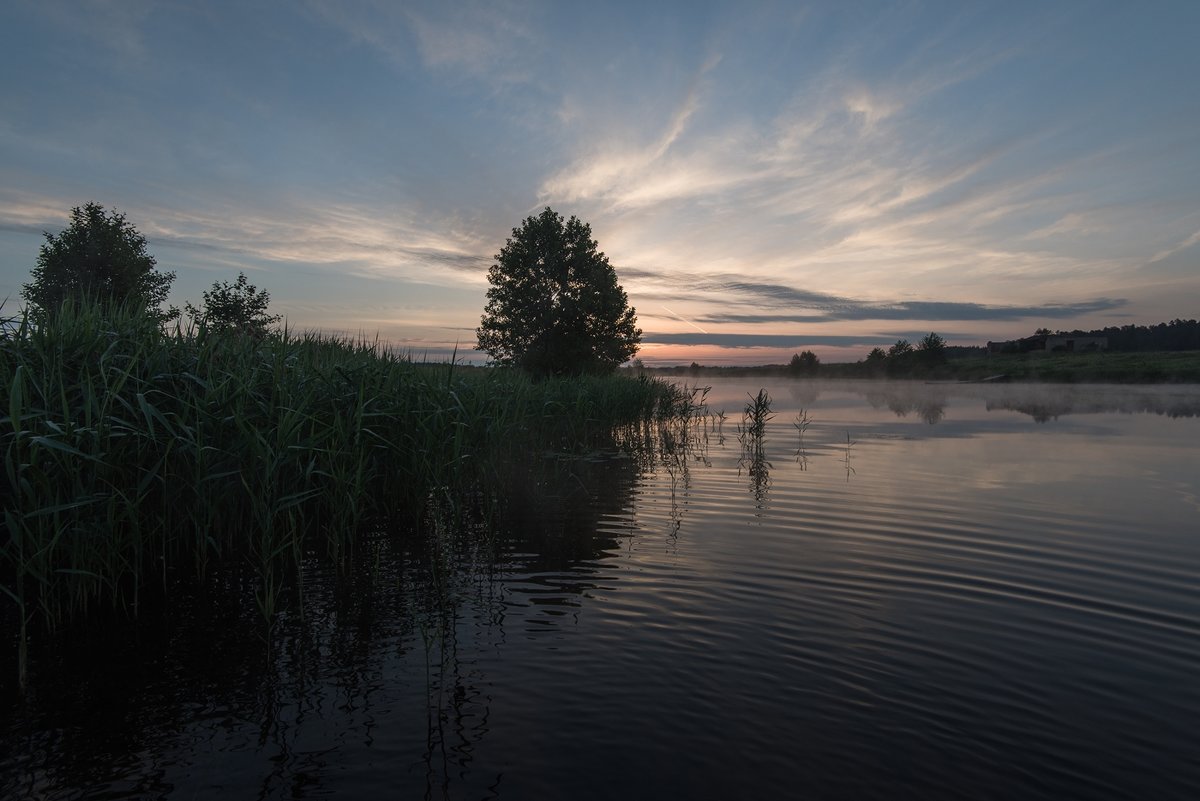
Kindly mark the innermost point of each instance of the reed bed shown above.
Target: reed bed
(131, 454)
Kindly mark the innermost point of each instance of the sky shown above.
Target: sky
(764, 177)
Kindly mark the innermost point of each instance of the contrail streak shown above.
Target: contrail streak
(683, 320)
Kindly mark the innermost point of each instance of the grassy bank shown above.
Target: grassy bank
(1180, 367)
(131, 455)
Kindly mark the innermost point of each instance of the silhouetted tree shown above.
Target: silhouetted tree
(932, 350)
(876, 361)
(555, 305)
(900, 358)
(804, 363)
(1174, 335)
(239, 307)
(98, 257)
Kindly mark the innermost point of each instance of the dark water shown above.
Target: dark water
(938, 592)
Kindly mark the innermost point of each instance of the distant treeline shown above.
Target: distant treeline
(967, 362)
(1175, 335)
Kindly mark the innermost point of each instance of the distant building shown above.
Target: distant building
(1059, 343)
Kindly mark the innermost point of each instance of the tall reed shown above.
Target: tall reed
(752, 435)
(131, 453)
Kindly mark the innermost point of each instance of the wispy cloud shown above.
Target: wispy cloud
(1171, 251)
(934, 311)
(351, 239)
(1073, 224)
(637, 174)
(484, 40)
(488, 42)
(760, 301)
(24, 212)
(763, 340)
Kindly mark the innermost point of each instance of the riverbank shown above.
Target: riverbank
(1158, 367)
(1165, 367)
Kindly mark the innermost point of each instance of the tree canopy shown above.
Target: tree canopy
(932, 349)
(239, 308)
(804, 363)
(98, 257)
(554, 306)
(1174, 335)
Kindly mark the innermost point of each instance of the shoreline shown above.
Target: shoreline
(1137, 368)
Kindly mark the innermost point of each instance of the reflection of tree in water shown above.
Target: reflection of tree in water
(804, 393)
(1049, 402)
(932, 412)
(1042, 402)
(899, 405)
(904, 399)
(876, 398)
(1041, 412)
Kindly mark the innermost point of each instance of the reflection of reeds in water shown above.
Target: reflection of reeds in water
(719, 426)
(846, 456)
(456, 560)
(801, 424)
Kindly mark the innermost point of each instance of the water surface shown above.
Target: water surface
(902, 591)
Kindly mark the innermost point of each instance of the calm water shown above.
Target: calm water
(953, 592)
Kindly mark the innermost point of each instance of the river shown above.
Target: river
(897, 591)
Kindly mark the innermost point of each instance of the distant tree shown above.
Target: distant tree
(1042, 332)
(804, 363)
(901, 358)
(99, 257)
(876, 361)
(554, 305)
(932, 350)
(239, 308)
(1175, 335)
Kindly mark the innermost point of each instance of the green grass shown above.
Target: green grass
(1115, 368)
(131, 455)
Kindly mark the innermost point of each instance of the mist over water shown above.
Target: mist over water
(898, 591)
